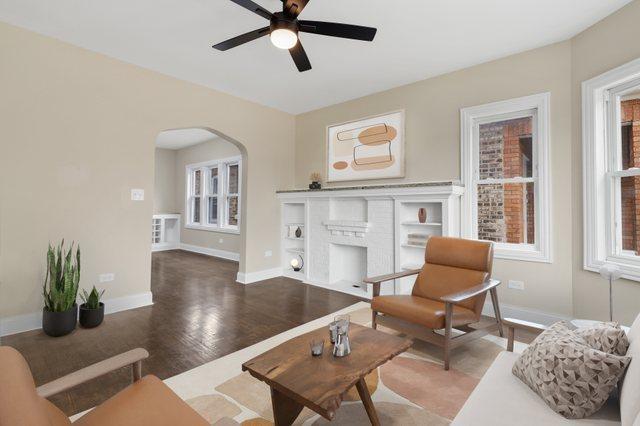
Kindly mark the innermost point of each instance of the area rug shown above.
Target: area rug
(411, 389)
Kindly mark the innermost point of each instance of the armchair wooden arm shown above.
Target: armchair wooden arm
(132, 358)
(470, 292)
(376, 281)
(512, 324)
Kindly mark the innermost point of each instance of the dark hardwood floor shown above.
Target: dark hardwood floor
(199, 314)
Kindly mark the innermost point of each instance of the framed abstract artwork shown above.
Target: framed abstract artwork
(369, 148)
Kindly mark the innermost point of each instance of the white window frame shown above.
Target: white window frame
(600, 158)
(205, 167)
(471, 118)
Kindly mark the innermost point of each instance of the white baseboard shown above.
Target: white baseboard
(527, 314)
(33, 321)
(223, 254)
(164, 246)
(253, 277)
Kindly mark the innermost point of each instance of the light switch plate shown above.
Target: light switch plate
(516, 285)
(105, 278)
(137, 194)
(268, 253)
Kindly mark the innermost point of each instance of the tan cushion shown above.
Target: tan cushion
(630, 389)
(459, 253)
(607, 337)
(435, 281)
(419, 310)
(146, 402)
(56, 416)
(573, 379)
(500, 399)
(19, 402)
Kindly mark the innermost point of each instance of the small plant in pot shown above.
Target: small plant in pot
(60, 289)
(92, 309)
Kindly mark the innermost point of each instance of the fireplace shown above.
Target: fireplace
(348, 267)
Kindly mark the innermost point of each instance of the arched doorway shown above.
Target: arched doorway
(200, 193)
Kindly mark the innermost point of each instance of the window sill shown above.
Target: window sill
(213, 229)
(523, 255)
(630, 268)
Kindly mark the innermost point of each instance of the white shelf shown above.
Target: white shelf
(416, 223)
(411, 266)
(296, 275)
(295, 238)
(295, 250)
(413, 246)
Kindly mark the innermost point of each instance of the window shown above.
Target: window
(505, 172)
(213, 195)
(611, 145)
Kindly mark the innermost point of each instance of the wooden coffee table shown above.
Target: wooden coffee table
(299, 380)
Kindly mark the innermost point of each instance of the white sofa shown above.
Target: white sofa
(502, 399)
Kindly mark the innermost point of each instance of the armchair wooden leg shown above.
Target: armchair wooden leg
(496, 309)
(374, 325)
(136, 370)
(447, 333)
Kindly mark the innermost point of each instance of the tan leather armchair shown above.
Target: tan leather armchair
(148, 401)
(449, 292)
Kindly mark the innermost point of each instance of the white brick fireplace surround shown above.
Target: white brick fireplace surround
(348, 233)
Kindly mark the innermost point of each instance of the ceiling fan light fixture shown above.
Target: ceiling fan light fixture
(284, 38)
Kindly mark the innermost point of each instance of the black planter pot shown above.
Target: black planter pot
(56, 324)
(90, 318)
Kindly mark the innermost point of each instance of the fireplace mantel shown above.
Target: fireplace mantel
(352, 232)
(399, 188)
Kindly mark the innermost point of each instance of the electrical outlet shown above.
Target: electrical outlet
(516, 285)
(137, 194)
(221, 240)
(105, 278)
(268, 253)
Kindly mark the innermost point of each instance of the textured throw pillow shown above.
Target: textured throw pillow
(607, 337)
(572, 378)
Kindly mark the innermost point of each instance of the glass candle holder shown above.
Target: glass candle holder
(317, 346)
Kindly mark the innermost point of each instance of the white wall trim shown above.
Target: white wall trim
(33, 321)
(253, 277)
(598, 230)
(527, 314)
(223, 254)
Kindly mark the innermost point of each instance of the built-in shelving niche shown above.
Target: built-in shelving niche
(294, 217)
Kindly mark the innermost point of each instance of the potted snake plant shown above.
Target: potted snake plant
(92, 309)
(60, 289)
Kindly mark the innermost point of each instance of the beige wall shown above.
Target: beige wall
(164, 185)
(610, 43)
(432, 116)
(210, 150)
(78, 134)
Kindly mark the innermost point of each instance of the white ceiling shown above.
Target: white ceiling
(416, 39)
(182, 138)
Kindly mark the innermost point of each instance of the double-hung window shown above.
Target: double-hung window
(611, 144)
(505, 149)
(213, 195)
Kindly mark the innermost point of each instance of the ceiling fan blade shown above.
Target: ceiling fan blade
(300, 57)
(242, 39)
(293, 7)
(335, 29)
(255, 8)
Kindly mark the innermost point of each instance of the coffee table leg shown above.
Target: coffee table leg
(365, 396)
(285, 410)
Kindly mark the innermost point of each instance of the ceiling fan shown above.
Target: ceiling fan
(284, 28)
